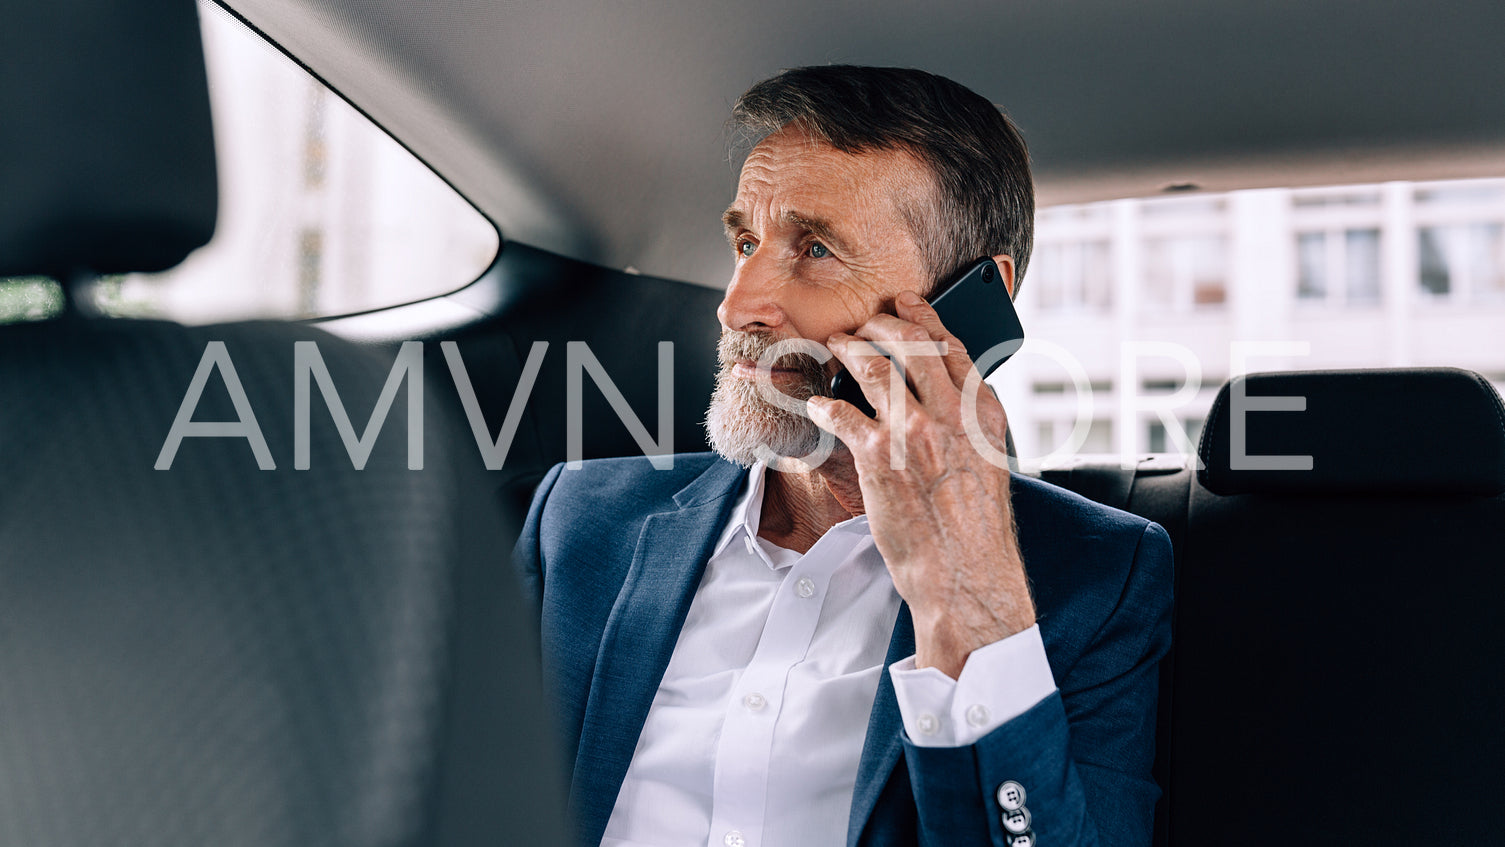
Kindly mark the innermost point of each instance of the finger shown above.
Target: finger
(981, 409)
(872, 370)
(842, 420)
(912, 307)
(917, 353)
(963, 371)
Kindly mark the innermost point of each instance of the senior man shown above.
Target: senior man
(904, 644)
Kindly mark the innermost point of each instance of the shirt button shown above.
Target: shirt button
(928, 724)
(977, 715)
(734, 839)
(754, 703)
(1023, 839)
(805, 587)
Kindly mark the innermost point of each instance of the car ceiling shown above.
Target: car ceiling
(596, 129)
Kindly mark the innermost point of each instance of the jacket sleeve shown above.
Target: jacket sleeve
(1082, 756)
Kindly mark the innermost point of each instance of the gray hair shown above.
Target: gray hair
(979, 159)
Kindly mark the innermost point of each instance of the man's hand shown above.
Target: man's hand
(940, 515)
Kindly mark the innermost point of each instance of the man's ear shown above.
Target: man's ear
(1006, 267)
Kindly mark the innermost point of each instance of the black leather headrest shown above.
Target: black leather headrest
(106, 149)
(1423, 431)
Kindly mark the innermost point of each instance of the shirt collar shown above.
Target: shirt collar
(743, 522)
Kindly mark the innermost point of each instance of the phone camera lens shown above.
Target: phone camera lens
(987, 274)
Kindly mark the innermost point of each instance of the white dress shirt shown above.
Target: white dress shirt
(758, 724)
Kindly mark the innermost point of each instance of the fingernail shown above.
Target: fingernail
(909, 298)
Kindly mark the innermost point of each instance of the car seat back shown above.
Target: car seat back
(1339, 663)
(210, 645)
(1335, 673)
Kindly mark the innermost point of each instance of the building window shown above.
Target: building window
(1486, 193)
(1464, 262)
(1163, 386)
(1339, 199)
(1157, 439)
(1186, 273)
(1098, 387)
(1339, 266)
(1052, 435)
(1072, 276)
(315, 144)
(310, 266)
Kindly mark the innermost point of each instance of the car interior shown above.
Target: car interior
(230, 650)
(228, 655)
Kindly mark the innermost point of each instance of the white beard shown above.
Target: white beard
(744, 425)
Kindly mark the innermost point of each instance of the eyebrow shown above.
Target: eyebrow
(733, 220)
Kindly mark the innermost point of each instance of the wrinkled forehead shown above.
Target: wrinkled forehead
(794, 157)
(745, 139)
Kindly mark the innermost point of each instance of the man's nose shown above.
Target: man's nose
(752, 298)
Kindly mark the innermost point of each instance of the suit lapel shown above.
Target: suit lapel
(880, 751)
(639, 638)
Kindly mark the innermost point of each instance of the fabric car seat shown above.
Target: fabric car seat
(1339, 670)
(214, 652)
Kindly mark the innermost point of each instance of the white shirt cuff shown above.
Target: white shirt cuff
(998, 683)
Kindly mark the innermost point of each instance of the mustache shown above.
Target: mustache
(736, 346)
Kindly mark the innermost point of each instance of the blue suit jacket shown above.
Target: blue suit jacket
(613, 551)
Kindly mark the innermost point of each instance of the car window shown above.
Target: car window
(321, 212)
(1138, 310)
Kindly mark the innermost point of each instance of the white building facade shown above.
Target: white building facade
(1138, 310)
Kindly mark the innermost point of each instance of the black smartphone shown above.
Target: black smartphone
(977, 309)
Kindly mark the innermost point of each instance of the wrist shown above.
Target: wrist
(944, 641)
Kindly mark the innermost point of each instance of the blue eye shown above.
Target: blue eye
(818, 250)
(746, 248)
